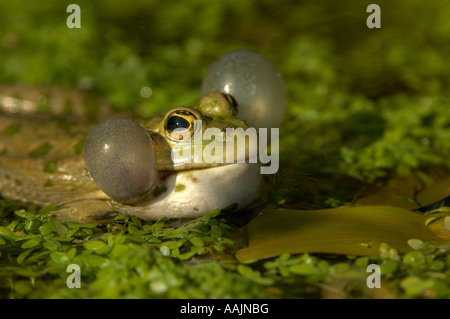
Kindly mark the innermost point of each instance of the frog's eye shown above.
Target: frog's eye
(231, 100)
(255, 84)
(121, 159)
(180, 124)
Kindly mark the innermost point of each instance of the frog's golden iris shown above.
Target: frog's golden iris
(180, 124)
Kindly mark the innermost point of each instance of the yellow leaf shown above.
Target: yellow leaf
(343, 230)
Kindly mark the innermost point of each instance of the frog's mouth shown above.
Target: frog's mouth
(163, 174)
(187, 155)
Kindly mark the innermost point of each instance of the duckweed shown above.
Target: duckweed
(363, 106)
(41, 150)
(12, 129)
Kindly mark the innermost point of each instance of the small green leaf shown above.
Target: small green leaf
(218, 246)
(187, 255)
(5, 232)
(72, 232)
(79, 146)
(133, 230)
(41, 150)
(414, 286)
(120, 217)
(415, 243)
(389, 266)
(197, 241)
(72, 252)
(21, 271)
(12, 225)
(33, 242)
(58, 226)
(51, 167)
(95, 245)
(51, 244)
(94, 260)
(304, 270)
(22, 213)
(46, 229)
(59, 257)
(12, 129)
(246, 271)
(210, 215)
(216, 231)
(21, 258)
(136, 221)
(227, 241)
(136, 238)
(47, 209)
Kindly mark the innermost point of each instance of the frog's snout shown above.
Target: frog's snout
(121, 159)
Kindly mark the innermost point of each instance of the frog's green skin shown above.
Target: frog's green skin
(41, 159)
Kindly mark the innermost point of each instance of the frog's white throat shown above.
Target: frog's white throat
(193, 193)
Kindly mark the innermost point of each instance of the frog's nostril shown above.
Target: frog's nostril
(121, 159)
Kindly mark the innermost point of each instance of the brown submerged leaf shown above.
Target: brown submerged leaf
(343, 230)
(411, 192)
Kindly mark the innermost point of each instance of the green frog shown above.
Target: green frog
(52, 153)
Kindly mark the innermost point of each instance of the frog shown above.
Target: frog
(53, 151)
(58, 175)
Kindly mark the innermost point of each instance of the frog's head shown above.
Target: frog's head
(187, 138)
(127, 160)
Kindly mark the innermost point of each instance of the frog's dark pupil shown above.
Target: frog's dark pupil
(177, 122)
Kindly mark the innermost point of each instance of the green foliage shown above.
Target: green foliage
(365, 103)
(128, 258)
(125, 258)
